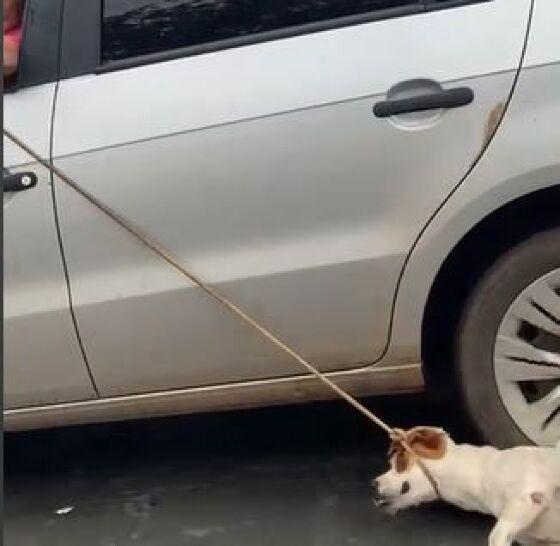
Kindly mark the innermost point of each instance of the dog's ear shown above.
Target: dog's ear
(427, 442)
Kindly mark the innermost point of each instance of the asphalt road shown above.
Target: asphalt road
(282, 476)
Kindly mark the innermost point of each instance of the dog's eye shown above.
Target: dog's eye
(405, 488)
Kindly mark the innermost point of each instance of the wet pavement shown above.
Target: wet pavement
(280, 476)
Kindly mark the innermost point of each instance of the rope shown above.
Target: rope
(393, 433)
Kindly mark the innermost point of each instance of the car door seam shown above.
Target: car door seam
(57, 221)
(475, 162)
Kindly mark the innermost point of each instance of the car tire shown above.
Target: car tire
(487, 309)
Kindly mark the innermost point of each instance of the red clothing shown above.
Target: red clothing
(14, 35)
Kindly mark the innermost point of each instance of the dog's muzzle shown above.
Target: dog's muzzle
(379, 499)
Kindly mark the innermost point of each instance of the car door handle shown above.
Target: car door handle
(18, 181)
(449, 98)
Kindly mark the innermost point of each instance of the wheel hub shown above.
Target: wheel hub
(527, 360)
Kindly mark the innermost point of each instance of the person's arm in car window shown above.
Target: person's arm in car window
(12, 35)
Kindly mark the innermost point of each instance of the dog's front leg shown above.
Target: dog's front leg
(518, 515)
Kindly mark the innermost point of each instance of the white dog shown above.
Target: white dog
(519, 486)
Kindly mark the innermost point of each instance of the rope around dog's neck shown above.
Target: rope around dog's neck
(394, 434)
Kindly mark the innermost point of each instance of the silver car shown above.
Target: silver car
(376, 181)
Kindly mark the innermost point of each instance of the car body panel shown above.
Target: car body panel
(120, 269)
(43, 363)
(305, 227)
(523, 157)
(286, 390)
(27, 114)
(285, 75)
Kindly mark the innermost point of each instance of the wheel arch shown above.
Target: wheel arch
(480, 246)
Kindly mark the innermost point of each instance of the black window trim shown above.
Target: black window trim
(81, 37)
(76, 18)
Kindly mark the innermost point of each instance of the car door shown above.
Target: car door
(242, 136)
(43, 362)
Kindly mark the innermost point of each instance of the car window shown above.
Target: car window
(139, 27)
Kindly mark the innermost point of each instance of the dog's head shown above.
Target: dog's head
(405, 484)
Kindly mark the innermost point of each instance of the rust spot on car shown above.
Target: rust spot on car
(492, 121)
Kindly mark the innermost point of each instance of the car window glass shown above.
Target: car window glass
(139, 27)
